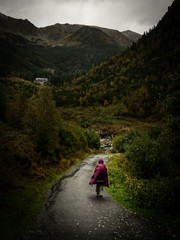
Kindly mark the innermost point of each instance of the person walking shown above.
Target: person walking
(100, 177)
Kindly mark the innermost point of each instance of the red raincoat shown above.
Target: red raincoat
(100, 173)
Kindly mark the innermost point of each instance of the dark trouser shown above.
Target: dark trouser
(99, 186)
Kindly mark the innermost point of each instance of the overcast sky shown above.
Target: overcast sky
(135, 15)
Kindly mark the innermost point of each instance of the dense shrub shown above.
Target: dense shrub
(93, 139)
(118, 143)
(157, 192)
(72, 138)
(32, 111)
(82, 142)
(41, 122)
(154, 131)
(52, 136)
(144, 157)
(161, 193)
(170, 137)
(3, 99)
(121, 141)
(149, 153)
(152, 167)
(16, 149)
(14, 95)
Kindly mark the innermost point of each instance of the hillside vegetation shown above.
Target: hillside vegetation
(36, 147)
(137, 78)
(33, 133)
(144, 176)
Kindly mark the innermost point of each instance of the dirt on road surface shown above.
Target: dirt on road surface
(73, 211)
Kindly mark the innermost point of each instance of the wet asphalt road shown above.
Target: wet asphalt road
(73, 211)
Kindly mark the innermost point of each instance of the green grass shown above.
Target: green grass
(105, 119)
(168, 221)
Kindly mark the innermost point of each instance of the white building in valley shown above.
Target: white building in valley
(41, 80)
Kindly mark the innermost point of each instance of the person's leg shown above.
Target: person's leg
(97, 188)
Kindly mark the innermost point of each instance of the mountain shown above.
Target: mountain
(61, 34)
(59, 52)
(90, 37)
(18, 26)
(136, 79)
(131, 35)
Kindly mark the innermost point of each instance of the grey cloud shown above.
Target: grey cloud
(16, 3)
(136, 15)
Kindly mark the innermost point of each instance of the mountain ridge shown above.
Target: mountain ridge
(58, 52)
(60, 34)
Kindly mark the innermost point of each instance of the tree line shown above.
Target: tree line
(32, 128)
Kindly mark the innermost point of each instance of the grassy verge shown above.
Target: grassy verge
(105, 119)
(168, 221)
(21, 203)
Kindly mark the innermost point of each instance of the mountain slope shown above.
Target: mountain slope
(132, 35)
(59, 52)
(90, 37)
(59, 34)
(137, 77)
(18, 26)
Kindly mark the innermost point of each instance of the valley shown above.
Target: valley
(70, 50)
(102, 83)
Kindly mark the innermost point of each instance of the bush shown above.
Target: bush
(93, 139)
(143, 156)
(41, 122)
(154, 131)
(80, 137)
(170, 137)
(159, 193)
(149, 153)
(23, 160)
(121, 141)
(118, 144)
(16, 149)
(72, 138)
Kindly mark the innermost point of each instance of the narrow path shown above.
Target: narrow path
(73, 212)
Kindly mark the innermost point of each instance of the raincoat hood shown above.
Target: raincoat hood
(100, 161)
